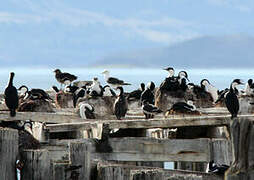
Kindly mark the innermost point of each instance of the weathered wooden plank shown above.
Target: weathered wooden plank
(144, 123)
(80, 154)
(42, 117)
(145, 149)
(8, 153)
(37, 165)
(59, 171)
(108, 171)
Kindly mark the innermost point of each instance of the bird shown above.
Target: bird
(181, 75)
(112, 81)
(182, 108)
(11, 96)
(136, 94)
(120, 105)
(150, 110)
(64, 77)
(231, 100)
(107, 91)
(222, 95)
(210, 89)
(77, 92)
(148, 94)
(34, 93)
(170, 83)
(86, 111)
(55, 89)
(249, 88)
(199, 91)
(219, 169)
(95, 89)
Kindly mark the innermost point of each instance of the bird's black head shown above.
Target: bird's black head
(12, 74)
(151, 85)
(250, 81)
(55, 89)
(121, 89)
(142, 85)
(237, 81)
(57, 71)
(204, 82)
(184, 74)
(168, 69)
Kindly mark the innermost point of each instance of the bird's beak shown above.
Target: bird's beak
(188, 79)
(165, 69)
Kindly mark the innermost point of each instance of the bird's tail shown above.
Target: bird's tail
(126, 84)
(12, 113)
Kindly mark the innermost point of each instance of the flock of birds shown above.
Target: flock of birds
(146, 96)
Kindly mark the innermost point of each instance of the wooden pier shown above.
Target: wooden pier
(69, 147)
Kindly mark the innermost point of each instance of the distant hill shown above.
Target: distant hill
(217, 52)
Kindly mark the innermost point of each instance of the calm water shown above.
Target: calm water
(44, 77)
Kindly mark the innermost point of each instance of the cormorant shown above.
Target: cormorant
(120, 105)
(136, 94)
(231, 100)
(11, 96)
(86, 111)
(148, 94)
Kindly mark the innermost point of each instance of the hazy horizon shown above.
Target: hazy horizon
(64, 32)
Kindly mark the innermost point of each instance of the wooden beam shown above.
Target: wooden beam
(146, 149)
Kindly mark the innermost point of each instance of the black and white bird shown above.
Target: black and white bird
(34, 93)
(219, 169)
(210, 89)
(86, 111)
(107, 91)
(170, 83)
(120, 106)
(64, 77)
(77, 92)
(222, 95)
(136, 94)
(112, 81)
(181, 75)
(95, 89)
(150, 110)
(249, 88)
(11, 96)
(182, 107)
(148, 94)
(231, 100)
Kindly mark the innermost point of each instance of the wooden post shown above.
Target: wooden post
(242, 135)
(37, 165)
(149, 175)
(59, 171)
(80, 154)
(8, 153)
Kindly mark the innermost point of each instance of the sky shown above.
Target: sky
(87, 31)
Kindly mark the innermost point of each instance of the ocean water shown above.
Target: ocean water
(44, 77)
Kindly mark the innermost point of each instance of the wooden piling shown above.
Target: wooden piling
(242, 135)
(37, 165)
(8, 152)
(80, 154)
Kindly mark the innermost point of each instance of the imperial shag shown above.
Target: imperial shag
(11, 96)
(231, 100)
(120, 105)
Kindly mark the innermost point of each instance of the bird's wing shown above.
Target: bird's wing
(112, 80)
